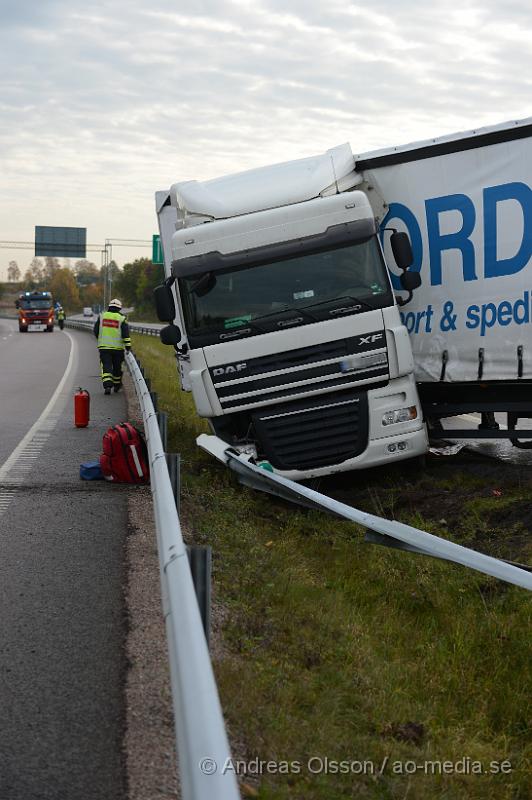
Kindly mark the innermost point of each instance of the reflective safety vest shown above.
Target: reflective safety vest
(110, 333)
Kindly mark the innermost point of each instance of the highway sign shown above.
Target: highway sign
(156, 250)
(60, 242)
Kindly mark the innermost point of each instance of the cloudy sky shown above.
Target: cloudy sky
(103, 102)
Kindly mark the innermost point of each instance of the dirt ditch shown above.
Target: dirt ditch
(474, 500)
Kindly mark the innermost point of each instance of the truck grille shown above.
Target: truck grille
(316, 433)
(355, 361)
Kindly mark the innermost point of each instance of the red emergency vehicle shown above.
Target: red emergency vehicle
(35, 311)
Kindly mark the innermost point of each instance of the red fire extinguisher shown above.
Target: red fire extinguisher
(81, 408)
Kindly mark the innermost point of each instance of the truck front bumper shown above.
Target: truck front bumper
(378, 452)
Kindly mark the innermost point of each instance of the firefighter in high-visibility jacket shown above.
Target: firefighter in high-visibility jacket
(112, 332)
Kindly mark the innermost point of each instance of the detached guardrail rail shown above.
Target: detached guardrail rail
(378, 530)
(202, 743)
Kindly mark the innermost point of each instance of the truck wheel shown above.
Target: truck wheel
(49, 329)
(22, 329)
(513, 419)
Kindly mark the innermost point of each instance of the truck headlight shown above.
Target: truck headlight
(399, 415)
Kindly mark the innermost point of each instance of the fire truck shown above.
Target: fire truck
(35, 311)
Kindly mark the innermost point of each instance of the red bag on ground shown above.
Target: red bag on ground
(125, 455)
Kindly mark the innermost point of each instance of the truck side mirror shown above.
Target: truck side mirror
(170, 335)
(164, 303)
(401, 249)
(410, 281)
(17, 303)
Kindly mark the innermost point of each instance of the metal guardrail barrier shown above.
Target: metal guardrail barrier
(202, 744)
(147, 330)
(137, 327)
(379, 530)
(201, 738)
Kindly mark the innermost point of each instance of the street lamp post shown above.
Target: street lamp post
(109, 251)
(104, 277)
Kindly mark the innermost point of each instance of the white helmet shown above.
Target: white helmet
(116, 303)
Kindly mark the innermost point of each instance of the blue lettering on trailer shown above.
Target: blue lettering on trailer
(507, 312)
(517, 193)
(438, 242)
(520, 193)
(477, 317)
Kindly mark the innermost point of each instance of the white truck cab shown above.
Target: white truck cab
(290, 337)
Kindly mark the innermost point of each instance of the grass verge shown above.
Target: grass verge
(356, 670)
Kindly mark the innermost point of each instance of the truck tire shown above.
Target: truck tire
(49, 328)
(23, 329)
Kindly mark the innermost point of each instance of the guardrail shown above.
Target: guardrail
(201, 739)
(378, 530)
(147, 330)
(138, 327)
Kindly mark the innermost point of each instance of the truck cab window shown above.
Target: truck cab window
(239, 296)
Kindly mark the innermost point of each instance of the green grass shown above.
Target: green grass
(331, 646)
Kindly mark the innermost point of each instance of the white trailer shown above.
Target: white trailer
(465, 201)
(288, 330)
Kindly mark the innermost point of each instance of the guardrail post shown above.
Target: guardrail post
(200, 560)
(162, 419)
(173, 461)
(153, 396)
(147, 381)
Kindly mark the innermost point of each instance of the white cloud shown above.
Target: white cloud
(104, 102)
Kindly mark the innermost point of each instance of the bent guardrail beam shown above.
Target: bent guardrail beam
(202, 743)
(381, 531)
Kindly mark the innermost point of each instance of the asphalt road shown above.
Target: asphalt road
(26, 360)
(62, 574)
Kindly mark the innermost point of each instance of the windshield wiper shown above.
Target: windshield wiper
(340, 307)
(356, 305)
(287, 310)
(238, 330)
(254, 324)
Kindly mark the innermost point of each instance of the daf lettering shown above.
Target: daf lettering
(229, 370)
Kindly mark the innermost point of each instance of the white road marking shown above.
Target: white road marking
(18, 461)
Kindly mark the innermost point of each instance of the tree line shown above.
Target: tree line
(81, 284)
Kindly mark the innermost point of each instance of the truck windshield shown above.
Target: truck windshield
(35, 305)
(293, 291)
